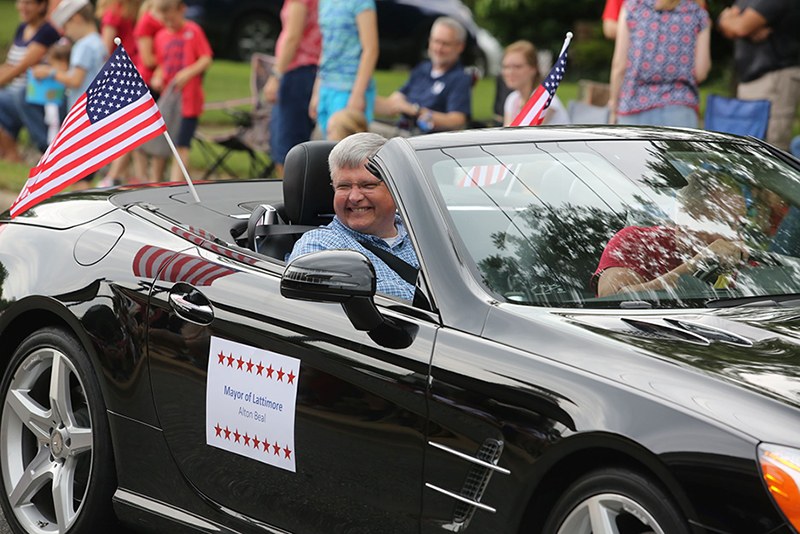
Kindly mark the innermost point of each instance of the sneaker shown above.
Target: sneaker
(107, 182)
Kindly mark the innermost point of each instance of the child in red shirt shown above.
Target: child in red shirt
(117, 19)
(182, 55)
(145, 31)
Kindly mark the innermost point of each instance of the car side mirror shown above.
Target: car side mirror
(342, 276)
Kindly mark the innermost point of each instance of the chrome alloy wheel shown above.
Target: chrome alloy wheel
(609, 513)
(47, 442)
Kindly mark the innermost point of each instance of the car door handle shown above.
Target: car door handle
(190, 304)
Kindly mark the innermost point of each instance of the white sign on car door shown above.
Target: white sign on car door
(251, 398)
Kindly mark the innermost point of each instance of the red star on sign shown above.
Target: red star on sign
(290, 376)
(256, 443)
(241, 362)
(276, 449)
(230, 360)
(246, 439)
(236, 435)
(260, 368)
(221, 357)
(287, 452)
(250, 366)
(266, 446)
(218, 429)
(280, 374)
(270, 371)
(227, 433)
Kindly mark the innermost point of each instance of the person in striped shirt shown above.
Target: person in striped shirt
(33, 37)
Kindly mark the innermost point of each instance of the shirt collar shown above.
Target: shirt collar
(358, 236)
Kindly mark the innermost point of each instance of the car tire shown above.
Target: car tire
(255, 33)
(606, 499)
(55, 447)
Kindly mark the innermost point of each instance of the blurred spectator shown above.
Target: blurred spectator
(183, 55)
(794, 148)
(32, 39)
(292, 82)
(767, 55)
(147, 26)
(117, 19)
(48, 92)
(86, 58)
(521, 74)
(88, 54)
(346, 122)
(611, 18)
(349, 54)
(662, 52)
(438, 93)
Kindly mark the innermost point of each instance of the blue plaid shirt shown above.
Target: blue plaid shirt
(337, 235)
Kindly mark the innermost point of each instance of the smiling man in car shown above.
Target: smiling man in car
(366, 218)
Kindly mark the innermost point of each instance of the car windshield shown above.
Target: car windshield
(624, 223)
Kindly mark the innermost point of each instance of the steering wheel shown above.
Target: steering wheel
(713, 268)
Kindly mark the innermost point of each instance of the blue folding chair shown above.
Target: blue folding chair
(739, 117)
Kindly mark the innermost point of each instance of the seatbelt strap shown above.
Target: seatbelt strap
(406, 271)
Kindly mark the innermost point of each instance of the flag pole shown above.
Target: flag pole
(180, 163)
(118, 42)
(566, 43)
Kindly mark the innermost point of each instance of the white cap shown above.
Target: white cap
(65, 10)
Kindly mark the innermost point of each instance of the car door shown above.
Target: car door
(349, 451)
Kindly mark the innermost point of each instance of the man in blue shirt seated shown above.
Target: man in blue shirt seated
(366, 216)
(438, 94)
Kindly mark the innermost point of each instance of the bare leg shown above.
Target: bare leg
(157, 169)
(139, 166)
(177, 174)
(81, 185)
(8, 147)
(119, 168)
(278, 170)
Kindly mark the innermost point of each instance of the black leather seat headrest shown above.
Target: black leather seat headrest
(307, 191)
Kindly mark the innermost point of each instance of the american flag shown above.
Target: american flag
(483, 175)
(536, 108)
(115, 115)
(193, 270)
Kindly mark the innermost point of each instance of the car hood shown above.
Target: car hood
(754, 348)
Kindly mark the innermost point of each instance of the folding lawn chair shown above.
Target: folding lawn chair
(739, 117)
(251, 134)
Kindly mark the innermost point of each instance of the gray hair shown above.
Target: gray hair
(453, 24)
(350, 152)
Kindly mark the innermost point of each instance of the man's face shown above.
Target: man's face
(366, 205)
(444, 47)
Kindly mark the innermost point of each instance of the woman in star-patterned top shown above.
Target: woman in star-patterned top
(662, 53)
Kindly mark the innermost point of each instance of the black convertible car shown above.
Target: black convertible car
(164, 368)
